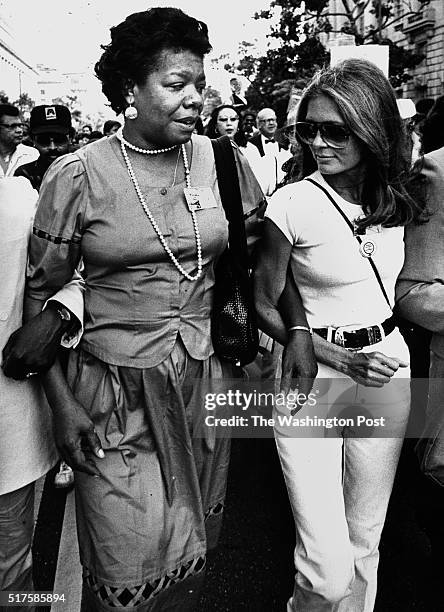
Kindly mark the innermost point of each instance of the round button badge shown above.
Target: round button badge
(367, 248)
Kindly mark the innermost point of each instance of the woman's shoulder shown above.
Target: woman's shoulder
(301, 192)
(69, 166)
(297, 202)
(201, 142)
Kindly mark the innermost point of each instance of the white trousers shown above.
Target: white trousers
(339, 489)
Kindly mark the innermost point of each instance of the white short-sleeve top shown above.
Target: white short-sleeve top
(337, 284)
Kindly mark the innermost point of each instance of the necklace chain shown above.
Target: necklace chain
(120, 136)
(153, 221)
(175, 169)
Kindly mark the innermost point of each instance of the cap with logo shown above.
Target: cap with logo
(50, 118)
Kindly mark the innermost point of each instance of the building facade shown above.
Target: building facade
(424, 34)
(417, 29)
(17, 75)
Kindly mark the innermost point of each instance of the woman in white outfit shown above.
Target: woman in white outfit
(346, 216)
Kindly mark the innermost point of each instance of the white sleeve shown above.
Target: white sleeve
(71, 296)
(282, 209)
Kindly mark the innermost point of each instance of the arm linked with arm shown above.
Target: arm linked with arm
(54, 254)
(278, 304)
(32, 348)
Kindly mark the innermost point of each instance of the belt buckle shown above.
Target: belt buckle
(375, 334)
(339, 336)
(341, 340)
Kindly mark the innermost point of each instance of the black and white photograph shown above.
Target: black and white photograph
(221, 306)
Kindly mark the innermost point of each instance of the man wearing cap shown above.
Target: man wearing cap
(267, 157)
(12, 152)
(50, 126)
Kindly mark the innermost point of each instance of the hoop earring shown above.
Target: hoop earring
(131, 112)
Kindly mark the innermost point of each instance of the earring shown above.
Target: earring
(130, 111)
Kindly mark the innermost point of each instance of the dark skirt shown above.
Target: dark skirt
(145, 525)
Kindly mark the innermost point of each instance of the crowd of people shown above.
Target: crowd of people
(109, 248)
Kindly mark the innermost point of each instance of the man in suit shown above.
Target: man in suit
(420, 299)
(236, 99)
(268, 155)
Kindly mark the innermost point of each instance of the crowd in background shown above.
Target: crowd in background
(245, 126)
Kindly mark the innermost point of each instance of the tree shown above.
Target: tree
(73, 103)
(4, 98)
(25, 103)
(296, 52)
(212, 99)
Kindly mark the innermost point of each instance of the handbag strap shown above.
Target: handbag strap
(230, 194)
(358, 238)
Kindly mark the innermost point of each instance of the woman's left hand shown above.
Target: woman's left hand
(76, 437)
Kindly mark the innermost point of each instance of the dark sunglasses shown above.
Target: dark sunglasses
(334, 135)
(44, 140)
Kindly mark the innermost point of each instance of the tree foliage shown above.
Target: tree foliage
(296, 51)
(25, 103)
(74, 105)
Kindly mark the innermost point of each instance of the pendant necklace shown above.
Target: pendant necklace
(123, 145)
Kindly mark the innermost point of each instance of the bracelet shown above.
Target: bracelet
(301, 328)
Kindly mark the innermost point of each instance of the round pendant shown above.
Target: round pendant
(367, 248)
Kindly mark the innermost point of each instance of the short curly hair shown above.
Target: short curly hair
(136, 44)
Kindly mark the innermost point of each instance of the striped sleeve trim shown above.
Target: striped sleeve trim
(54, 239)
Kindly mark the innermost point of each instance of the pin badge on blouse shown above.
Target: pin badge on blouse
(367, 248)
(192, 196)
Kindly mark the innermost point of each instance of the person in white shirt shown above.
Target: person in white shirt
(27, 450)
(13, 153)
(340, 231)
(268, 154)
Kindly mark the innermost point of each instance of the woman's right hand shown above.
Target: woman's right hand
(76, 437)
(372, 369)
(298, 363)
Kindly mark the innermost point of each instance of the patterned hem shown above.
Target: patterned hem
(126, 597)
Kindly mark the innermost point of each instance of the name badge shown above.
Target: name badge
(199, 198)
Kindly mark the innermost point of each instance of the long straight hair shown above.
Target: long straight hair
(367, 104)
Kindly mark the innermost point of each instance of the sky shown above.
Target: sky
(67, 34)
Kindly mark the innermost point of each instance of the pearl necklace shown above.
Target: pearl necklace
(120, 136)
(152, 220)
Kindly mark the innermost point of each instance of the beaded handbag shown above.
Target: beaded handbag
(234, 330)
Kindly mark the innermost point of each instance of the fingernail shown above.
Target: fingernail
(100, 454)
